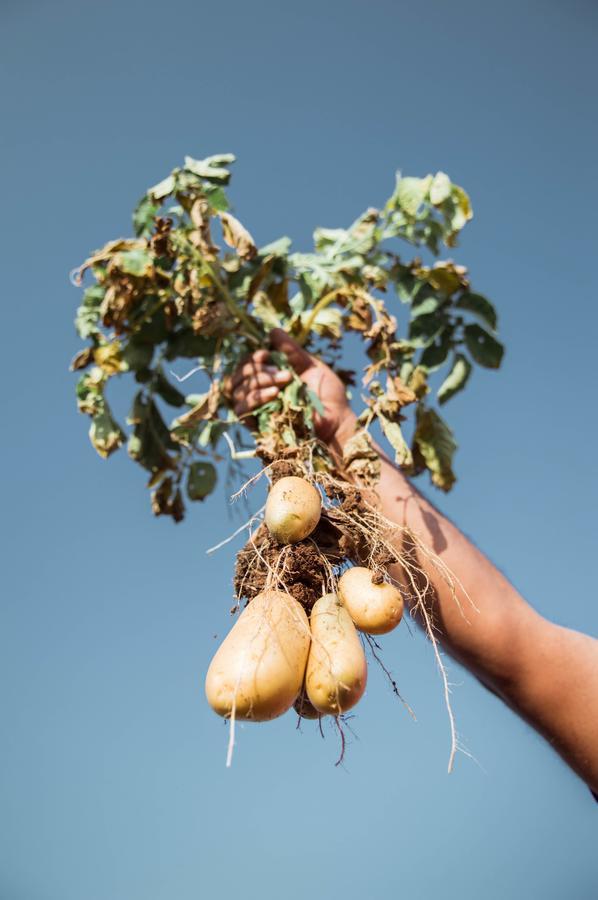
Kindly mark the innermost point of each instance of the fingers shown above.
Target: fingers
(255, 383)
(261, 379)
(253, 399)
(258, 361)
(297, 356)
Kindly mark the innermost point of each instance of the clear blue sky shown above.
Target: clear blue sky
(112, 777)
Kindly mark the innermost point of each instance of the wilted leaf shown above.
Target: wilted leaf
(398, 392)
(168, 501)
(201, 237)
(446, 276)
(480, 306)
(104, 433)
(205, 408)
(456, 380)
(264, 310)
(237, 236)
(82, 359)
(201, 480)
(435, 442)
(361, 460)
(418, 382)
(484, 348)
(108, 358)
(394, 436)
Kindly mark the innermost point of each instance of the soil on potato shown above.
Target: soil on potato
(299, 568)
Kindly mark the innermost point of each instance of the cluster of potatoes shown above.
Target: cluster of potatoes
(274, 657)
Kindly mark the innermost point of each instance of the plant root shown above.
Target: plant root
(351, 531)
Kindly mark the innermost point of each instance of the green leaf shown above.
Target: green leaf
(137, 355)
(434, 440)
(166, 390)
(440, 188)
(189, 345)
(88, 314)
(484, 348)
(212, 168)
(135, 262)
(150, 440)
(144, 215)
(201, 480)
(394, 436)
(424, 306)
(162, 189)
(436, 354)
(280, 247)
(480, 306)
(217, 199)
(411, 193)
(316, 402)
(423, 330)
(456, 380)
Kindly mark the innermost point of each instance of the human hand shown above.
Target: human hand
(257, 381)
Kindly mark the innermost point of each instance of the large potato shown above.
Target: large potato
(375, 608)
(260, 666)
(293, 509)
(336, 673)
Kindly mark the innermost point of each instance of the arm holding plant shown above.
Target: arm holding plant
(546, 673)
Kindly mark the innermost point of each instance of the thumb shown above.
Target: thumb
(299, 358)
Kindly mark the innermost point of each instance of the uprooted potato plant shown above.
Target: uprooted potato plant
(322, 572)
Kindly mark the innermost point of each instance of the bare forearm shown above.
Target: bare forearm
(547, 674)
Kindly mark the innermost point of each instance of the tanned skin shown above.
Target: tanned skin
(546, 673)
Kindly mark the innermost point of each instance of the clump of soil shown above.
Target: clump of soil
(303, 569)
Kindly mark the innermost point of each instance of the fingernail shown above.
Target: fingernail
(272, 370)
(282, 377)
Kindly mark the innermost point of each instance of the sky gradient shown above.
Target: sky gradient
(112, 777)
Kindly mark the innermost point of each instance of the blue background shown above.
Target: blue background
(112, 777)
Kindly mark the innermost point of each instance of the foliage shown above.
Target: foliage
(171, 293)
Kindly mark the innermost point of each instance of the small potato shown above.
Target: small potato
(293, 509)
(336, 673)
(375, 608)
(260, 666)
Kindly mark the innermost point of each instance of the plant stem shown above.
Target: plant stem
(233, 307)
(322, 303)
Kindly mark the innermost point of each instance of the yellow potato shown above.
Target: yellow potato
(260, 666)
(293, 509)
(375, 608)
(337, 672)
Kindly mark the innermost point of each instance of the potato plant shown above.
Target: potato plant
(192, 291)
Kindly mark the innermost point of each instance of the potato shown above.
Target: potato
(375, 608)
(293, 509)
(260, 666)
(336, 673)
